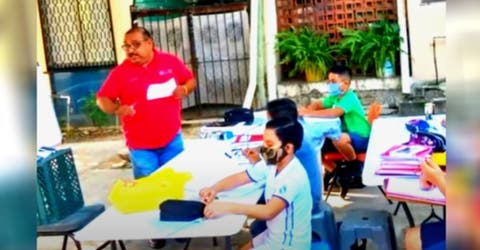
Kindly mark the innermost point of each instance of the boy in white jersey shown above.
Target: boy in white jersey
(287, 191)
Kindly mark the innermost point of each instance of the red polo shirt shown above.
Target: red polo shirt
(157, 119)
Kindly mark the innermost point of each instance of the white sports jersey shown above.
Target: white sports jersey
(291, 228)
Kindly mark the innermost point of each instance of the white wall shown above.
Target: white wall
(425, 22)
(121, 22)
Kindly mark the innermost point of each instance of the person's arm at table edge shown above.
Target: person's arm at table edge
(315, 105)
(440, 182)
(331, 112)
(266, 211)
(432, 173)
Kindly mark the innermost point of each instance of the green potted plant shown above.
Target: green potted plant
(306, 50)
(93, 112)
(375, 47)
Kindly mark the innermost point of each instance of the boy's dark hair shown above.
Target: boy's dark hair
(282, 107)
(341, 70)
(287, 130)
(146, 34)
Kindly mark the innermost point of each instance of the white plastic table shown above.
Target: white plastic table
(386, 132)
(322, 127)
(205, 159)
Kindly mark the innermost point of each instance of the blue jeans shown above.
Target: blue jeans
(146, 161)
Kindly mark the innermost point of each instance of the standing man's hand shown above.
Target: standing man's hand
(180, 91)
(113, 107)
(123, 110)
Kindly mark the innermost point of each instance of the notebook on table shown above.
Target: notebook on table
(403, 159)
(409, 189)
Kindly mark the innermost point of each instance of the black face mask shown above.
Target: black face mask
(272, 155)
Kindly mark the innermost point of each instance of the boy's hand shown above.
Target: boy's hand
(424, 184)
(207, 195)
(252, 155)
(216, 209)
(431, 173)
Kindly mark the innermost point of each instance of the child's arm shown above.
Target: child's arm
(263, 212)
(432, 174)
(315, 105)
(331, 112)
(208, 194)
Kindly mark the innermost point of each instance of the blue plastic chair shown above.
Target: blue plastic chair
(60, 206)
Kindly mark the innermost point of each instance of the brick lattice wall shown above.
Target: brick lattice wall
(328, 15)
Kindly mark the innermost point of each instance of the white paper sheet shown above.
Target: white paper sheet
(161, 90)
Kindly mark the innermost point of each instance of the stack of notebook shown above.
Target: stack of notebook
(403, 159)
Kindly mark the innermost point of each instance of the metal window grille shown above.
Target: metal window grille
(212, 40)
(77, 33)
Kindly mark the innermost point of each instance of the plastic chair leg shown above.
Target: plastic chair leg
(77, 243)
(64, 245)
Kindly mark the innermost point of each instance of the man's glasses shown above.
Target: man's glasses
(134, 46)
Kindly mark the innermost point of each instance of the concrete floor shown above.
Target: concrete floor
(99, 167)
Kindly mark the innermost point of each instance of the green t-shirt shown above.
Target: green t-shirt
(354, 117)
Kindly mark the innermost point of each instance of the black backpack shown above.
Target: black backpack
(237, 115)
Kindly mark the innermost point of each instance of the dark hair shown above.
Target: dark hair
(287, 130)
(341, 70)
(146, 34)
(282, 107)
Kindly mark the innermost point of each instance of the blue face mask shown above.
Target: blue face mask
(334, 89)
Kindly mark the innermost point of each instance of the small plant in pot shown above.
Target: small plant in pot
(97, 117)
(375, 47)
(306, 50)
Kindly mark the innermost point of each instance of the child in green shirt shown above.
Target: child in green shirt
(344, 103)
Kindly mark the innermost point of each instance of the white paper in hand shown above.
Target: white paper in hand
(161, 90)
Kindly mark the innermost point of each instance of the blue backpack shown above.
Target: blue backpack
(422, 133)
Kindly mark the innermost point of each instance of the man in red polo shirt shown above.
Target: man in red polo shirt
(146, 92)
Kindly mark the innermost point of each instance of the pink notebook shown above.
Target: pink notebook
(409, 189)
(402, 152)
(383, 171)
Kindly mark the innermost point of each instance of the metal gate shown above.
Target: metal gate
(212, 40)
